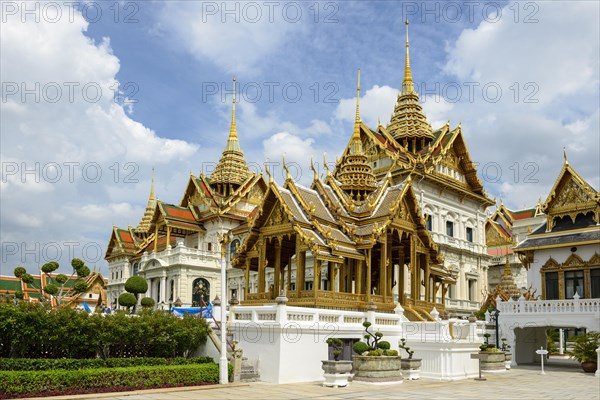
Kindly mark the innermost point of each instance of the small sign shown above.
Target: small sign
(542, 353)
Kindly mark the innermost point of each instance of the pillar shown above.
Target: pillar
(368, 277)
(316, 277)
(427, 282)
(163, 288)
(359, 276)
(156, 238)
(383, 269)
(168, 237)
(561, 341)
(300, 270)
(247, 279)
(276, 282)
(261, 265)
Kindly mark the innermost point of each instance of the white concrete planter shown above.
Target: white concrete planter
(492, 361)
(507, 360)
(336, 373)
(411, 368)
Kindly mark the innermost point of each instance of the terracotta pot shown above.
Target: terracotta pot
(589, 366)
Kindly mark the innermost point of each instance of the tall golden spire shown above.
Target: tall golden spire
(407, 84)
(408, 121)
(144, 224)
(232, 170)
(354, 171)
(233, 129)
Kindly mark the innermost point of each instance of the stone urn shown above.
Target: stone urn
(492, 361)
(377, 368)
(507, 359)
(411, 368)
(336, 373)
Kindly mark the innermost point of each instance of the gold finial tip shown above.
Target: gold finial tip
(406, 21)
(565, 155)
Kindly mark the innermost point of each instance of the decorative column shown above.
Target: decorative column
(261, 265)
(156, 238)
(168, 237)
(289, 275)
(383, 269)
(247, 279)
(316, 277)
(368, 277)
(300, 270)
(358, 265)
(561, 341)
(163, 288)
(276, 278)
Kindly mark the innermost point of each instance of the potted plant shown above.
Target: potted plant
(584, 350)
(491, 358)
(507, 354)
(375, 361)
(411, 367)
(336, 372)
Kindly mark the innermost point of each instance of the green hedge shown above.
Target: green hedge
(33, 382)
(42, 364)
(34, 331)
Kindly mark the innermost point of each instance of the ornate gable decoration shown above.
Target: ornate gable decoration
(551, 264)
(573, 261)
(493, 236)
(571, 196)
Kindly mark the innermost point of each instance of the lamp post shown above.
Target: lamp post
(494, 315)
(223, 376)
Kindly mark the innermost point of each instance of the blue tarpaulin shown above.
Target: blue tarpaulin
(86, 307)
(180, 311)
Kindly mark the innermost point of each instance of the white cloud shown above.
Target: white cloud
(71, 163)
(373, 105)
(235, 36)
(559, 56)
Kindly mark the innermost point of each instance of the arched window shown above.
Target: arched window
(136, 269)
(200, 290)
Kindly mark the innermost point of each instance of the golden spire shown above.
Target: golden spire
(408, 119)
(354, 171)
(407, 83)
(357, 121)
(565, 155)
(232, 170)
(232, 129)
(507, 285)
(144, 224)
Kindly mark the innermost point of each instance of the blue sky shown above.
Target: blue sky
(167, 56)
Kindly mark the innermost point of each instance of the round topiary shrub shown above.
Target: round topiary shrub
(390, 353)
(127, 300)
(19, 272)
(80, 287)
(51, 289)
(19, 294)
(136, 285)
(50, 267)
(61, 278)
(360, 347)
(384, 345)
(376, 353)
(27, 278)
(148, 302)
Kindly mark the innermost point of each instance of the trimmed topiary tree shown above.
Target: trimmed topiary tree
(136, 285)
(127, 300)
(147, 302)
(51, 289)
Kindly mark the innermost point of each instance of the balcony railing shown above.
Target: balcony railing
(576, 305)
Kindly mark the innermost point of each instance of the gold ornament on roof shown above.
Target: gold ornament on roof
(354, 171)
(144, 224)
(232, 170)
(408, 120)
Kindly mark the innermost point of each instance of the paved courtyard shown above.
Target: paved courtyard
(520, 383)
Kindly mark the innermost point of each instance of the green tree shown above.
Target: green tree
(136, 285)
(127, 300)
(147, 302)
